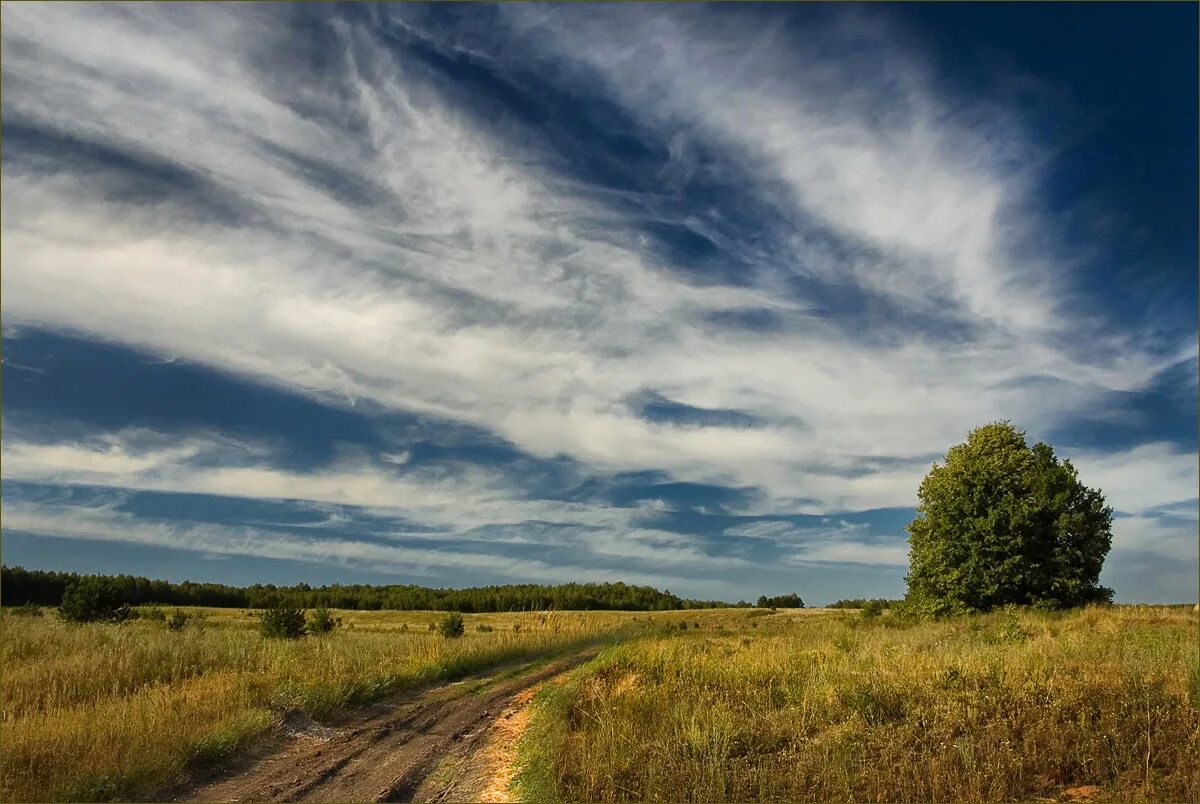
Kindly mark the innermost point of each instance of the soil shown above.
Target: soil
(465, 731)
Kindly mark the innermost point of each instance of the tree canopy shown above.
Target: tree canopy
(1001, 522)
(791, 601)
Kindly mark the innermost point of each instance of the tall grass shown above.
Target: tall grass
(1011, 705)
(95, 712)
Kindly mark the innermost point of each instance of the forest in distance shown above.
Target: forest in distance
(19, 586)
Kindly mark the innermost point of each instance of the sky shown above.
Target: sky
(688, 296)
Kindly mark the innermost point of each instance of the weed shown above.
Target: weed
(1010, 630)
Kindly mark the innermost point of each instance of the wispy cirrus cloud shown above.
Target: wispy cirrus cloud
(819, 262)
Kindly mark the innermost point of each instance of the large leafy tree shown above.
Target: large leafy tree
(1001, 522)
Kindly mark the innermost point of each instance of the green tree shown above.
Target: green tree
(322, 621)
(282, 621)
(94, 599)
(452, 626)
(1004, 523)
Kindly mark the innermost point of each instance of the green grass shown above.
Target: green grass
(1008, 706)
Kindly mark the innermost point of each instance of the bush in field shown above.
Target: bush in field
(153, 614)
(452, 626)
(872, 609)
(177, 620)
(282, 621)
(94, 599)
(484, 629)
(322, 621)
(1003, 523)
(27, 610)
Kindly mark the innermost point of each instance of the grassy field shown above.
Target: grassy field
(95, 712)
(809, 706)
(699, 705)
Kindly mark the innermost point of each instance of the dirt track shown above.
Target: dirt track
(388, 751)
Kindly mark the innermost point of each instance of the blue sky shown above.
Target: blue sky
(689, 296)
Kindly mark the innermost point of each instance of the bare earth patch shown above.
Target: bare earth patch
(456, 742)
(1087, 792)
(483, 769)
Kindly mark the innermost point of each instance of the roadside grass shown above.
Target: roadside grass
(109, 712)
(814, 707)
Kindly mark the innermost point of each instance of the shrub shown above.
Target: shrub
(872, 609)
(94, 599)
(27, 610)
(154, 614)
(452, 626)
(1001, 522)
(1011, 630)
(283, 622)
(484, 629)
(322, 621)
(177, 620)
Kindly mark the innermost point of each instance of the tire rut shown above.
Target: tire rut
(383, 756)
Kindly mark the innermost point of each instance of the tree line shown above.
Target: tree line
(46, 588)
(791, 601)
(864, 603)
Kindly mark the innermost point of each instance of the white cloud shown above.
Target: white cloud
(840, 542)
(1176, 539)
(895, 555)
(466, 503)
(104, 523)
(483, 287)
(1147, 477)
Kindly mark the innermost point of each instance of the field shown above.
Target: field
(113, 711)
(698, 705)
(810, 707)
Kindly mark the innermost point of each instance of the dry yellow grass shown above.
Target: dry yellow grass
(105, 711)
(832, 706)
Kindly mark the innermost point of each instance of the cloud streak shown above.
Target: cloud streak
(319, 203)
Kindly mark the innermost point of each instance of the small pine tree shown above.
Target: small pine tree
(452, 626)
(177, 620)
(322, 621)
(283, 622)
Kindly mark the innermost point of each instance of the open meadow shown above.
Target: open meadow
(102, 711)
(710, 705)
(800, 706)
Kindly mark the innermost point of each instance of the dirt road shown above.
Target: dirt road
(388, 752)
